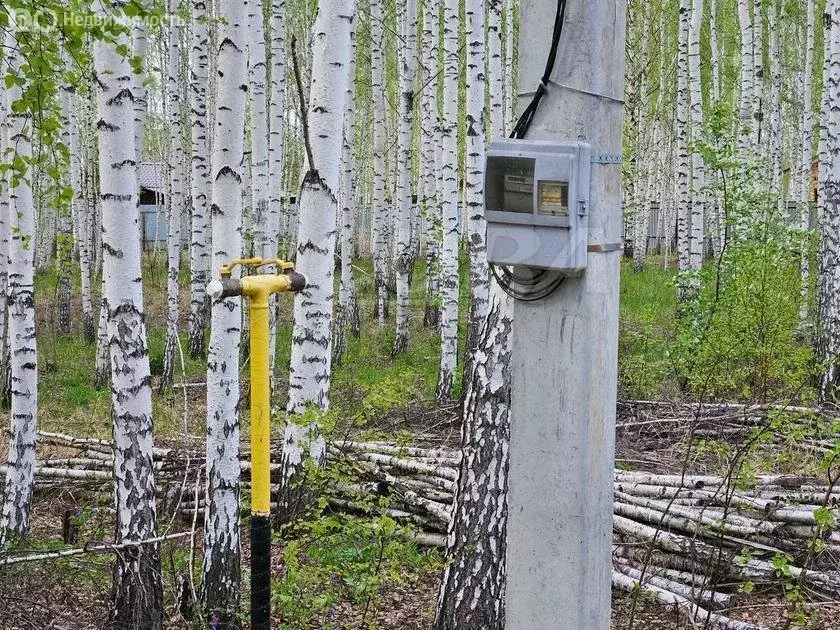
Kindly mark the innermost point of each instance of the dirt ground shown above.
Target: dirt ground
(35, 600)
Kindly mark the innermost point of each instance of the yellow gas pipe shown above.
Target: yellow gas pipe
(257, 289)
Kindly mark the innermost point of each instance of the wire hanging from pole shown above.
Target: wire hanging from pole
(524, 123)
(534, 284)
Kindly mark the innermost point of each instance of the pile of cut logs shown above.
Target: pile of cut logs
(694, 541)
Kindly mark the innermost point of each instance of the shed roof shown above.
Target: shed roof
(152, 175)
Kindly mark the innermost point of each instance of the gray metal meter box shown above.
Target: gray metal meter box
(536, 202)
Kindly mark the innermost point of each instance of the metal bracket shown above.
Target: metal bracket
(605, 158)
(603, 248)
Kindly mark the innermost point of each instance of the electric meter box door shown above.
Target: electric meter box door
(536, 203)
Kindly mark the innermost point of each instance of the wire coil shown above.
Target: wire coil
(527, 284)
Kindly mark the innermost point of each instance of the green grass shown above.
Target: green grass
(70, 402)
(647, 324)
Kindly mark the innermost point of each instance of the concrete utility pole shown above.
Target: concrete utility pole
(565, 347)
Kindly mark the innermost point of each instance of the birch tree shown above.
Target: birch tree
(5, 235)
(221, 526)
(747, 81)
(348, 306)
(258, 81)
(175, 196)
(80, 212)
(199, 180)
(697, 217)
(449, 201)
(23, 351)
(102, 366)
(683, 166)
(403, 252)
(138, 588)
(715, 51)
(828, 346)
(474, 175)
(775, 99)
(429, 134)
(140, 45)
(758, 71)
(380, 211)
(64, 236)
(276, 148)
(638, 119)
(471, 593)
(804, 174)
(310, 365)
(511, 44)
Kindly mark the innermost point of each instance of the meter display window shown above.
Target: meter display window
(510, 185)
(553, 199)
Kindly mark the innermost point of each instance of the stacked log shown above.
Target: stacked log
(687, 540)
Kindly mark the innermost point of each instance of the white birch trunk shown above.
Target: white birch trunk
(495, 69)
(258, 80)
(775, 98)
(5, 219)
(403, 252)
(641, 202)
(429, 130)
(175, 198)
(20, 473)
(474, 167)
(758, 72)
(683, 165)
(804, 175)
(199, 181)
(511, 63)
(221, 584)
(379, 227)
(102, 365)
(828, 346)
(79, 211)
(64, 236)
(138, 589)
(716, 220)
(661, 143)
(747, 75)
(140, 44)
(715, 52)
(310, 365)
(698, 204)
(449, 196)
(276, 149)
(471, 593)
(347, 299)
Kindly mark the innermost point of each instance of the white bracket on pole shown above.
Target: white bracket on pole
(606, 158)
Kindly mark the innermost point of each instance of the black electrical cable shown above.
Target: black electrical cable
(524, 123)
(540, 283)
